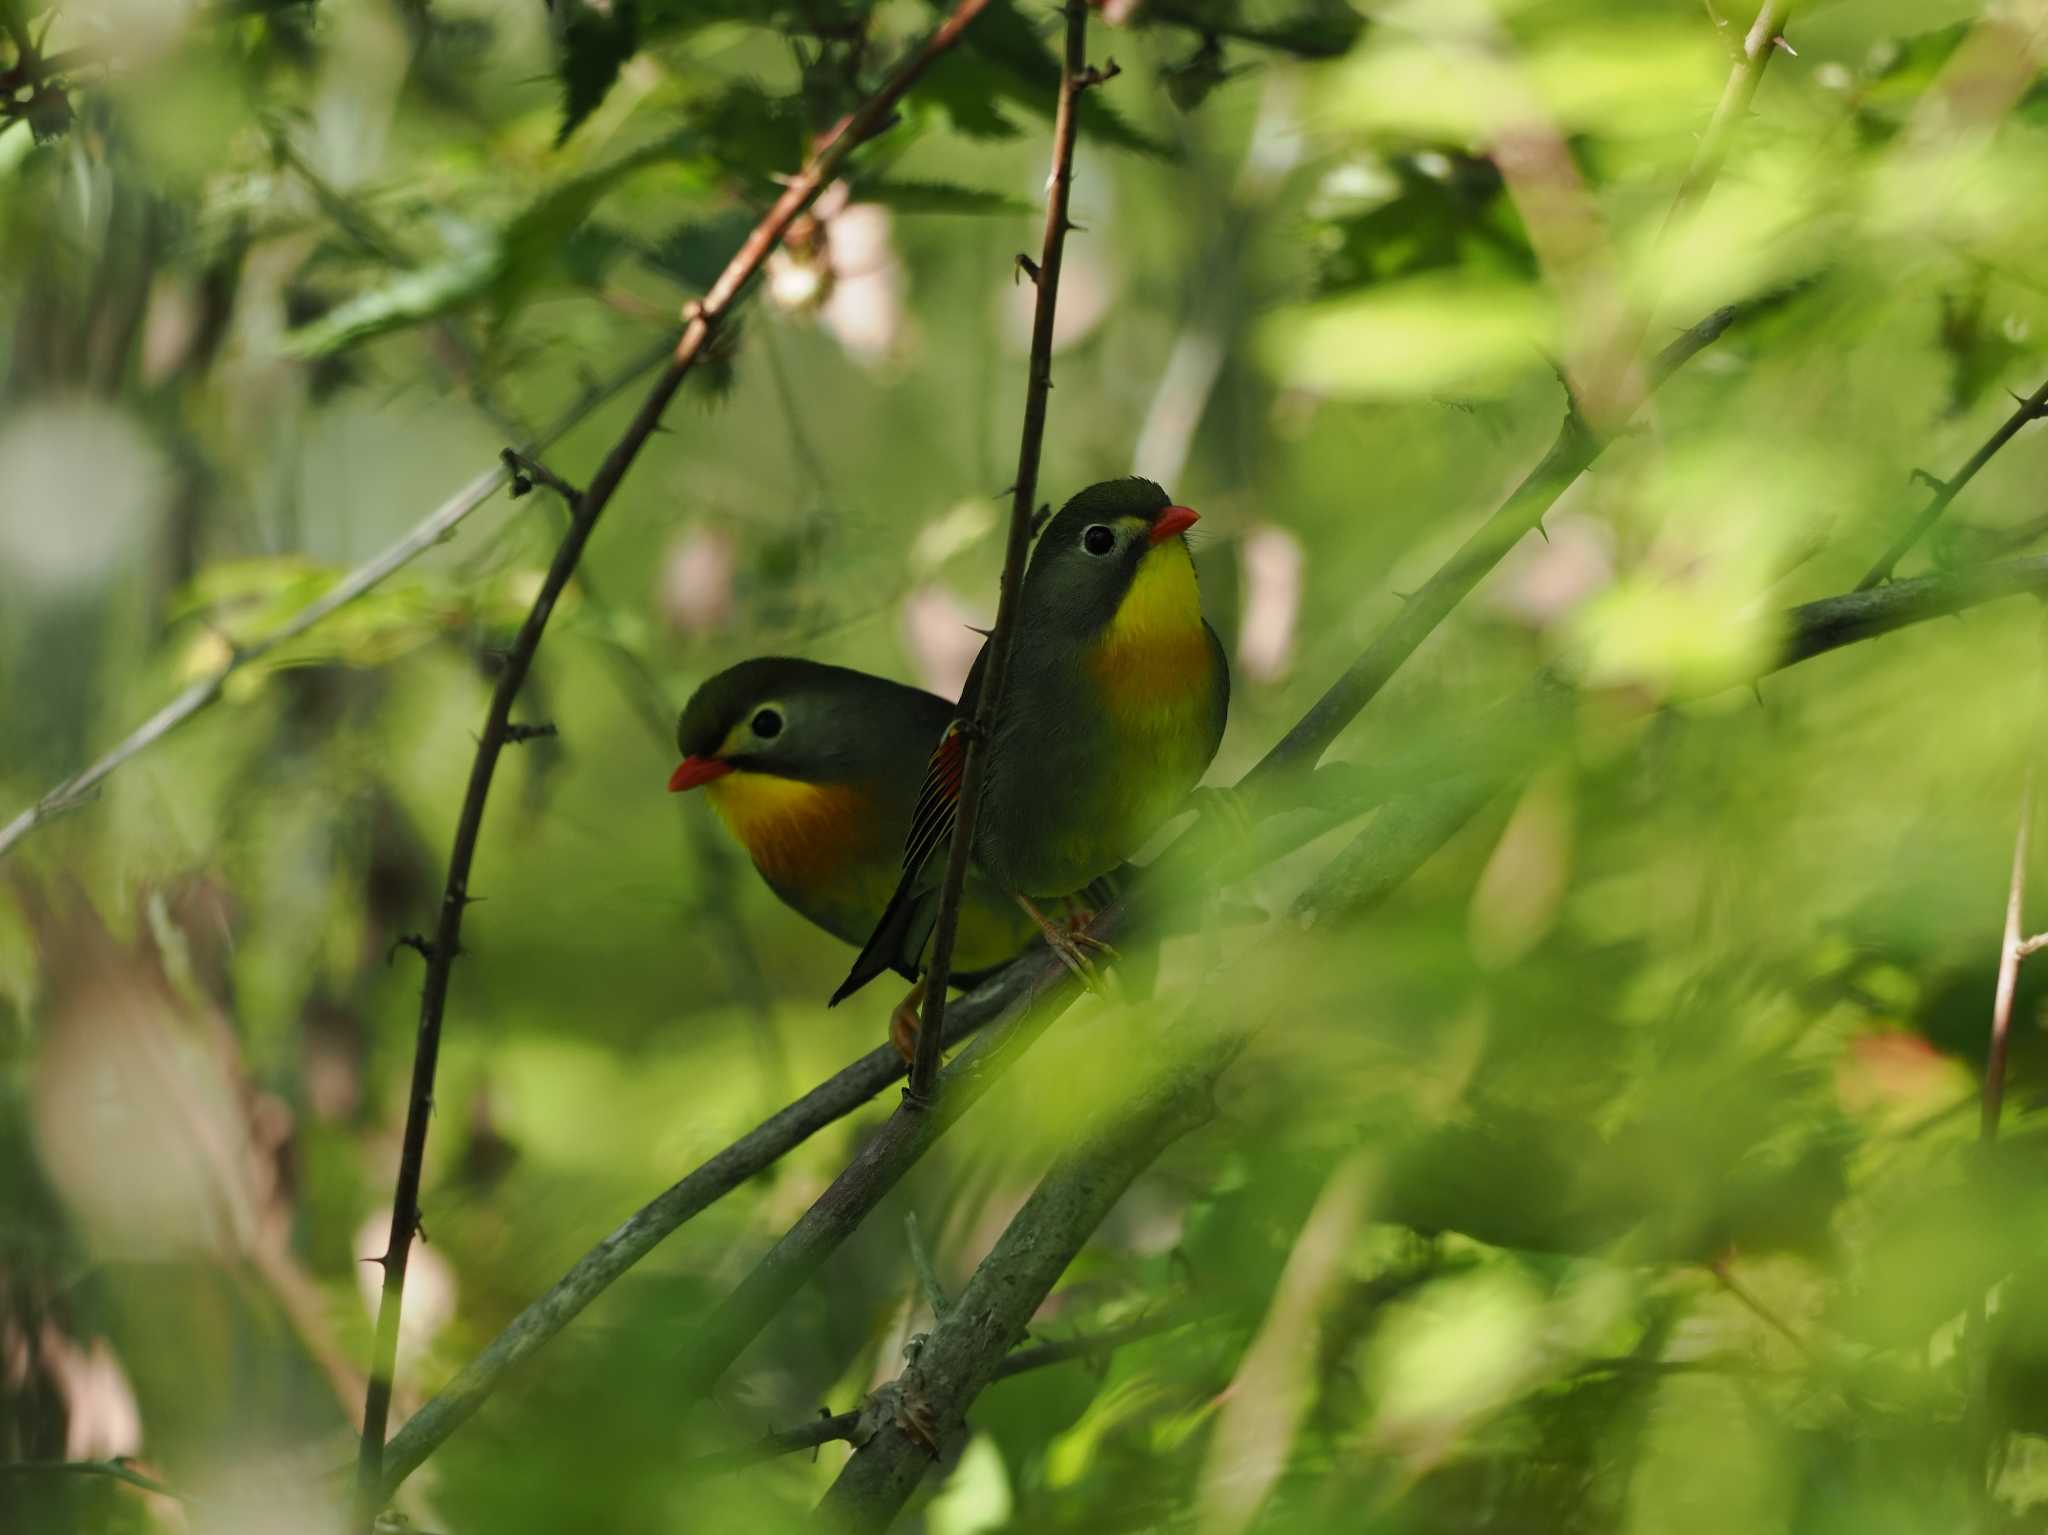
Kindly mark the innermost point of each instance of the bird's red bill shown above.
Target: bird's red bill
(692, 771)
(1175, 519)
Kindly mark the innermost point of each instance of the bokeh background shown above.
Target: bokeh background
(1620, 1172)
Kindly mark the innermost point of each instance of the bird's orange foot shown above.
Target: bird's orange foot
(1068, 946)
(905, 1022)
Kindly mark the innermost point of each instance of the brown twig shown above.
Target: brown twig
(1075, 77)
(2032, 408)
(704, 318)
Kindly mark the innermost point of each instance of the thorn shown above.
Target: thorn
(1756, 689)
(1543, 530)
(519, 735)
(1932, 482)
(413, 941)
(1070, 227)
(1779, 42)
(1404, 596)
(1091, 77)
(419, 1225)
(977, 629)
(1006, 492)
(1026, 266)
(1040, 518)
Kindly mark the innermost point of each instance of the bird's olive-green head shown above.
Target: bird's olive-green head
(1092, 553)
(804, 720)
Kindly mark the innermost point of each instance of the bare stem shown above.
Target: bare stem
(1075, 77)
(2010, 952)
(2030, 409)
(705, 316)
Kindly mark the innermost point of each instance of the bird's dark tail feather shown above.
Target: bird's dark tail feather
(886, 944)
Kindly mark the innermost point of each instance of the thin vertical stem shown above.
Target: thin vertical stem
(705, 318)
(1075, 77)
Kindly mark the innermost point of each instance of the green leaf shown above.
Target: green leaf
(499, 266)
(1003, 58)
(595, 45)
(938, 197)
(1309, 29)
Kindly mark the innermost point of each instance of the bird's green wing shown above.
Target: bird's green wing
(938, 802)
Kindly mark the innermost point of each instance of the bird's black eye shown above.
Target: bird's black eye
(1098, 539)
(767, 724)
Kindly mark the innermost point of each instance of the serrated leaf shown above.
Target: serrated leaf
(697, 250)
(496, 266)
(595, 45)
(938, 197)
(1019, 67)
(1309, 29)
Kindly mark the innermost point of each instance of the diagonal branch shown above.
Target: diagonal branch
(855, 1426)
(2032, 408)
(1075, 77)
(435, 528)
(1432, 807)
(1571, 453)
(965, 1352)
(705, 317)
(1575, 448)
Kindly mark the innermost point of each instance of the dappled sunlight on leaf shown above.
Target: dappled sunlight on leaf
(1421, 337)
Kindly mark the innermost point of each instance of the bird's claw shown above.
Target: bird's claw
(905, 1022)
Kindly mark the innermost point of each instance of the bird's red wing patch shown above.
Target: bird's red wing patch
(938, 802)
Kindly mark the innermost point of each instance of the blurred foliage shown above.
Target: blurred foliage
(1620, 1173)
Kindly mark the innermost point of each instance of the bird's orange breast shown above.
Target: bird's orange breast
(795, 832)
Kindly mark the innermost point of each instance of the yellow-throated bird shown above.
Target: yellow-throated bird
(1114, 705)
(814, 769)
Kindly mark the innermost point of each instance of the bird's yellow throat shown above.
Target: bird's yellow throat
(794, 831)
(1154, 651)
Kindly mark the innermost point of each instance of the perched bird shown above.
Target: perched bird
(1114, 705)
(814, 770)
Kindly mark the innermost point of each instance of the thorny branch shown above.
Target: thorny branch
(704, 318)
(902, 1140)
(1419, 821)
(1075, 77)
(2032, 408)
